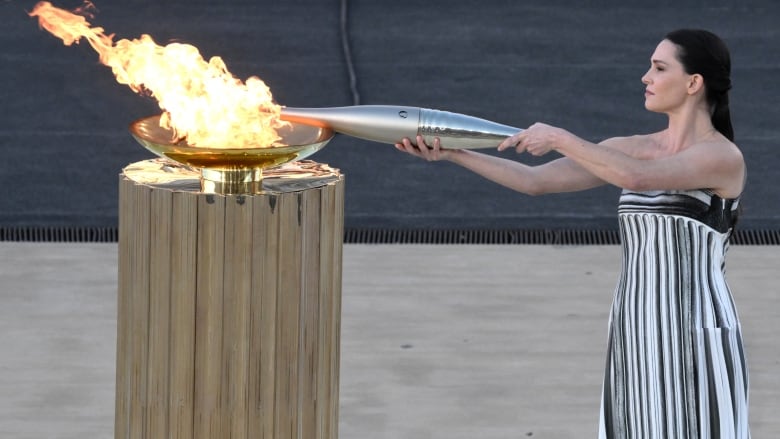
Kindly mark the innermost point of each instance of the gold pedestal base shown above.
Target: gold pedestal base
(231, 181)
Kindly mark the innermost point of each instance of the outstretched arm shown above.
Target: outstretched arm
(714, 164)
(560, 175)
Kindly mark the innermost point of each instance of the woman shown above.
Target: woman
(675, 363)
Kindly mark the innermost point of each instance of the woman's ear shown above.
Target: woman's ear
(695, 83)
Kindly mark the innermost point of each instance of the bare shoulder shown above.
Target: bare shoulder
(723, 158)
(722, 146)
(720, 153)
(725, 151)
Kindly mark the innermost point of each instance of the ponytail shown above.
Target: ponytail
(721, 116)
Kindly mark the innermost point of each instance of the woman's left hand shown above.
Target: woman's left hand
(538, 139)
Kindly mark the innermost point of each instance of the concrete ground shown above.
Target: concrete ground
(437, 341)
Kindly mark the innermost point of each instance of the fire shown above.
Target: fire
(201, 100)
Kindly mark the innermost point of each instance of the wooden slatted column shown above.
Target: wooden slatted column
(229, 308)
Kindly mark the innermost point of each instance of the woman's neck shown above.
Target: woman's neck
(688, 127)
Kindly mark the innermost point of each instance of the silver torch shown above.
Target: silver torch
(391, 123)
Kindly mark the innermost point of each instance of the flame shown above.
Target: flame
(201, 100)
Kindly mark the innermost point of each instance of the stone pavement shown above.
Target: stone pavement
(462, 341)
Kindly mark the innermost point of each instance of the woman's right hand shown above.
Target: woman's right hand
(431, 153)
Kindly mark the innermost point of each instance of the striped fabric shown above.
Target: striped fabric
(675, 364)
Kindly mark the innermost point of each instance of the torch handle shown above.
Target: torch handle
(391, 123)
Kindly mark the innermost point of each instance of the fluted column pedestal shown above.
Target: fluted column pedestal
(229, 305)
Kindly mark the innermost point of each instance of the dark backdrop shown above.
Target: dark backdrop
(577, 64)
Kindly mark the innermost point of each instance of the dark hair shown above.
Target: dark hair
(703, 52)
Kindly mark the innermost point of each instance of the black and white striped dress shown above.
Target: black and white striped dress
(675, 362)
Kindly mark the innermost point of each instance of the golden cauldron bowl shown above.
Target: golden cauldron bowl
(231, 170)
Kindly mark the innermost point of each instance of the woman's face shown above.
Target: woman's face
(666, 82)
